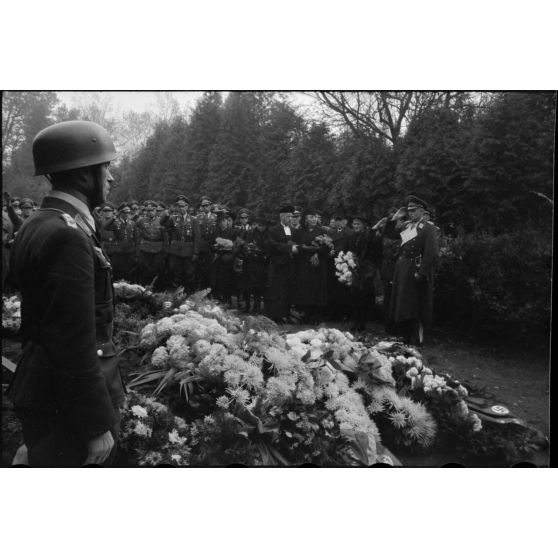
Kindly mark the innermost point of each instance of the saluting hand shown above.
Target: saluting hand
(99, 448)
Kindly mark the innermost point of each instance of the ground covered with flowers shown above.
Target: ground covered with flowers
(209, 387)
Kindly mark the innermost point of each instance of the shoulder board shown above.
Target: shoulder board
(70, 221)
(82, 225)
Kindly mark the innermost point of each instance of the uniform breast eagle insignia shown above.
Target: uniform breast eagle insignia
(70, 221)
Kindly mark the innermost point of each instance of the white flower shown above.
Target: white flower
(164, 326)
(143, 430)
(139, 411)
(160, 357)
(411, 372)
(176, 458)
(175, 438)
(223, 402)
(477, 424)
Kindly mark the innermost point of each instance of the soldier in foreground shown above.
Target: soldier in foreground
(67, 387)
(413, 279)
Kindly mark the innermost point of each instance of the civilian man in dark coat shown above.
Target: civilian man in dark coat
(280, 281)
(413, 279)
(67, 387)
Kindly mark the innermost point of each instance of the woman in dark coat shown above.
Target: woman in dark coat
(311, 269)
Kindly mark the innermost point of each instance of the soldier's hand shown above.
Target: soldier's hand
(99, 448)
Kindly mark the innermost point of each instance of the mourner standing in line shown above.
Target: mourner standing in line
(367, 248)
(413, 278)
(223, 281)
(258, 261)
(151, 245)
(67, 387)
(242, 259)
(310, 293)
(207, 222)
(280, 281)
(296, 218)
(182, 250)
(389, 231)
(107, 235)
(124, 251)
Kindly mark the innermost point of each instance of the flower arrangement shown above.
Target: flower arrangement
(11, 313)
(346, 266)
(445, 396)
(125, 290)
(223, 244)
(243, 392)
(323, 240)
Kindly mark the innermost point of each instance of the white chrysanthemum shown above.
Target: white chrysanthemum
(280, 389)
(143, 430)
(164, 326)
(160, 357)
(176, 458)
(175, 341)
(148, 336)
(201, 347)
(175, 438)
(253, 376)
(240, 395)
(324, 375)
(179, 357)
(223, 402)
(139, 411)
(232, 377)
(342, 382)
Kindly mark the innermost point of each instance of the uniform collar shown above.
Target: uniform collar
(77, 204)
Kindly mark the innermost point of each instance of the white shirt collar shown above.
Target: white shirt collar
(286, 228)
(77, 204)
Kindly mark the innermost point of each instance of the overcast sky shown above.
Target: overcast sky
(139, 101)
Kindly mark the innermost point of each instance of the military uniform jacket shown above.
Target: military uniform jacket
(125, 235)
(207, 223)
(183, 235)
(69, 363)
(151, 235)
(412, 299)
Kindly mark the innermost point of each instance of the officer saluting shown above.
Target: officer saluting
(67, 387)
(413, 278)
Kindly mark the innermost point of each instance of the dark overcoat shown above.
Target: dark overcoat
(412, 299)
(280, 278)
(69, 367)
(311, 280)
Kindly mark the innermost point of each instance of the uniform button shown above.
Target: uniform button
(100, 352)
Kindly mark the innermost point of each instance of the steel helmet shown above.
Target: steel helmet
(71, 145)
